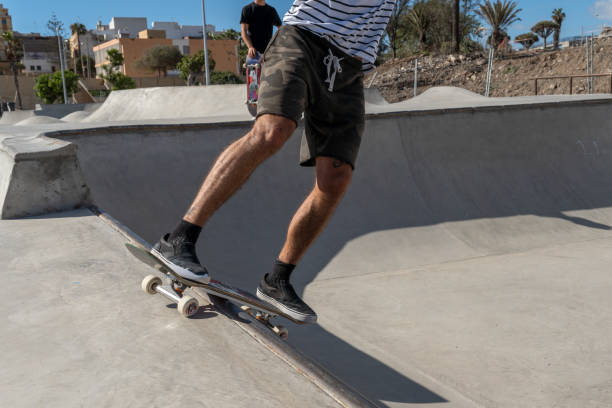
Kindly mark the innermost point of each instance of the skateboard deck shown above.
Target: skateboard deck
(188, 306)
(253, 72)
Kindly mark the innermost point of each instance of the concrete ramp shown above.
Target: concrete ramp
(56, 111)
(173, 103)
(38, 120)
(12, 117)
(447, 97)
(374, 97)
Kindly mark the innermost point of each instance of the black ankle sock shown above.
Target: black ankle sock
(185, 232)
(280, 271)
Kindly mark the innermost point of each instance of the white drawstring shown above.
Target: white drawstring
(332, 61)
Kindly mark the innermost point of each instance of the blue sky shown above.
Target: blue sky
(32, 15)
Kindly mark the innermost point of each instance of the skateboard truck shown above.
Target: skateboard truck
(186, 305)
(264, 318)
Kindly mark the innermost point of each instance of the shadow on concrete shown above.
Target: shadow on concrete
(584, 222)
(374, 379)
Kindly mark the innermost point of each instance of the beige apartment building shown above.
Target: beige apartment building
(6, 24)
(224, 52)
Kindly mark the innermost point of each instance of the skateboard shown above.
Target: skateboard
(253, 72)
(188, 306)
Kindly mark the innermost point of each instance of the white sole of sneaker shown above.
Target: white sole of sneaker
(293, 313)
(182, 272)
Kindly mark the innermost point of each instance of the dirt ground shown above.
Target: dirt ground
(513, 74)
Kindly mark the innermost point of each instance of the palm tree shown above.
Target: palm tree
(229, 34)
(558, 16)
(13, 55)
(78, 29)
(527, 40)
(499, 15)
(544, 29)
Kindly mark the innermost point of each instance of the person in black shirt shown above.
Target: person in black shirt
(257, 22)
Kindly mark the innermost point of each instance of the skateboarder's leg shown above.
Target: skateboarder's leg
(282, 100)
(233, 167)
(333, 177)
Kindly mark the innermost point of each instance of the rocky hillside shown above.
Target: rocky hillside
(512, 74)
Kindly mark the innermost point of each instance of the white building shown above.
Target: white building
(121, 27)
(40, 54)
(175, 31)
(129, 27)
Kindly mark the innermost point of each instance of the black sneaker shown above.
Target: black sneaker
(182, 259)
(284, 298)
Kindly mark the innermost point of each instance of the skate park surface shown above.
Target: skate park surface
(467, 266)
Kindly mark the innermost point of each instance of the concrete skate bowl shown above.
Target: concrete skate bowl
(430, 187)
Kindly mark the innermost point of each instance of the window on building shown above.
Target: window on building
(32, 67)
(52, 68)
(38, 68)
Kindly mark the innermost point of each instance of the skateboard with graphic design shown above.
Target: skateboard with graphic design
(188, 306)
(253, 72)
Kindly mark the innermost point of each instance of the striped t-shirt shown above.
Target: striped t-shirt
(354, 26)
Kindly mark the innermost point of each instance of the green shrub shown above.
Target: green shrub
(49, 87)
(226, 77)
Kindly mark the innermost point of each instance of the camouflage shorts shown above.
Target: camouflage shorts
(296, 78)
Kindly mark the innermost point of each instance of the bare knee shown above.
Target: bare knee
(270, 133)
(333, 176)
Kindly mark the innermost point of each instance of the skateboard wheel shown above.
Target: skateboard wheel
(149, 283)
(188, 306)
(282, 332)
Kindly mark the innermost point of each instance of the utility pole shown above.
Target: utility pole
(62, 66)
(88, 57)
(56, 26)
(592, 63)
(490, 71)
(588, 63)
(81, 57)
(204, 34)
(416, 77)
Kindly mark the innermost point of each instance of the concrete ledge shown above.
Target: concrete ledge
(40, 175)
